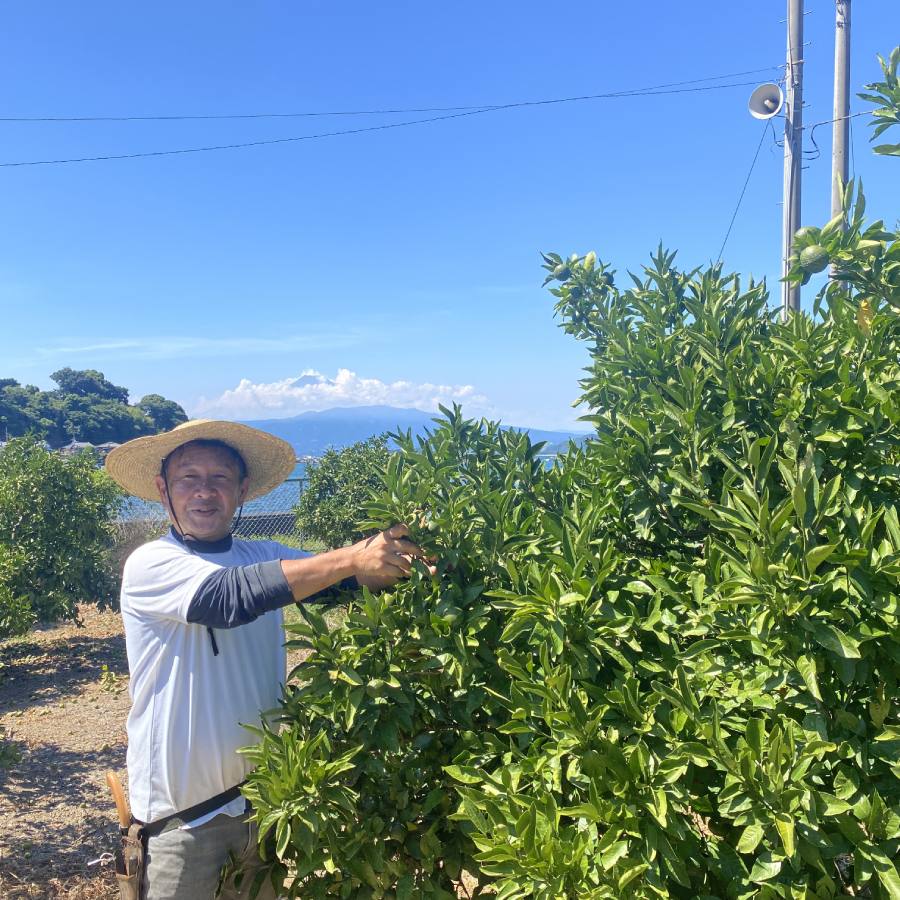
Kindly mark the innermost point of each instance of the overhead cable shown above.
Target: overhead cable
(743, 190)
(812, 129)
(374, 112)
(647, 92)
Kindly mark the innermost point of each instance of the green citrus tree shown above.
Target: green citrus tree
(339, 484)
(55, 521)
(666, 666)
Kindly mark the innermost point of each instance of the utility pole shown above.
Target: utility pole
(793, 148)
(840, 131)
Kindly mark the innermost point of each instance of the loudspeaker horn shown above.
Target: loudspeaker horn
(766, 101)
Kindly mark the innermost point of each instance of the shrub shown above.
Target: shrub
(666, 667)
(339, 484)
(16, 614)
(354, 789)
(55, 517)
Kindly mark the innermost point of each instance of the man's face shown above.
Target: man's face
(204, 490)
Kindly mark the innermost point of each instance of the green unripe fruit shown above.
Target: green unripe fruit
(561, 272)
(806, 233)
(814, 258)
(449, 612)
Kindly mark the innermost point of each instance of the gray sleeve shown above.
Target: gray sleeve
(237, 595)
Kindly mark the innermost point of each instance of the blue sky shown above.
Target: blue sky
(398, 266)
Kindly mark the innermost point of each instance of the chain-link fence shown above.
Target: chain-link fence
(270, 517)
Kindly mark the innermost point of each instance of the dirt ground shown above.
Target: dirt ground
(63, 718)
(62, 726)
(63, 706)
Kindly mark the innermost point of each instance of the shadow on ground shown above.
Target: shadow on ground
(36, 673)
(56, 846)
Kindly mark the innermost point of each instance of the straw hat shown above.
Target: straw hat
(269, 460)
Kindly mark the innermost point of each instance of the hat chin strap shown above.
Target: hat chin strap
(237, 521)
(190, 549)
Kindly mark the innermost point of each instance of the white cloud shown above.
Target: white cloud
(312, 390)
(176, 346)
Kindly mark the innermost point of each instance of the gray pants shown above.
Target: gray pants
(185, 865)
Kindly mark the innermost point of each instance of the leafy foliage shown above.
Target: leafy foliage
(403, 674)
(55, 516)
(665, 667)
(89, 383)
(886, 97)
(339, 484)
(86, 407)
(164, 414)
(16, 614)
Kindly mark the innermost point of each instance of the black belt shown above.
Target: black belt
(185, 816)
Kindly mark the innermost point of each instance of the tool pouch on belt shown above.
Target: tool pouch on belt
(130, 862)
(131, 854)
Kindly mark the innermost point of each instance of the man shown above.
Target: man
(203, 631)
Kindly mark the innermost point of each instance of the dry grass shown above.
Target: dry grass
(74, 888)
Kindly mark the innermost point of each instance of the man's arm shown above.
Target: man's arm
(239, 594)
(376, 562)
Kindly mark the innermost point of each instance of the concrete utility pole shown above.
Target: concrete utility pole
(840, 131)
(793, 147)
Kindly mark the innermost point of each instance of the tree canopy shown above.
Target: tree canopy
(89, 383)
(86, 406)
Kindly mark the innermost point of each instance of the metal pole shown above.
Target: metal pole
(840, 132)
(793, 147)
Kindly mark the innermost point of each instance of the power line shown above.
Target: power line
(815, 154)
(744, 189)
(305, 137)
(376, 112)
(647, 92)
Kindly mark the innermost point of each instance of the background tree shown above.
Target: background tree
(27, 409)
(340, 484)
(164, 414)
(55, 534)
(85, 407)
(98, 421)
(88, 383)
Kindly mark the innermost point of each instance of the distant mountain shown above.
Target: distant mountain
(312, 433)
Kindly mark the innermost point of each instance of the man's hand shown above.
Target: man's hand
(383, 559)
(377, 562)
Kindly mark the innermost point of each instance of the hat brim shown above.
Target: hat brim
(269, 460)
